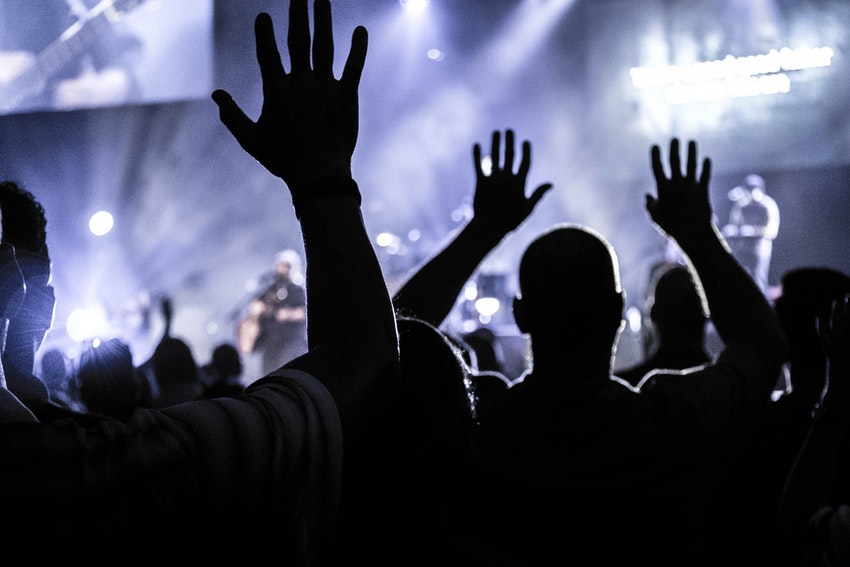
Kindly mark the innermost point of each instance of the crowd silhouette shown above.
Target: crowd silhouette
(394, 440)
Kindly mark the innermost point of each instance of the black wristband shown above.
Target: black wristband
(323, 187)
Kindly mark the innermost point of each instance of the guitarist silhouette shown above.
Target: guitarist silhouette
(65, 54)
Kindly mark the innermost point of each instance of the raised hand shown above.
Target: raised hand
(500, 199)
(500, 205)
(308, 125)
(682, 202)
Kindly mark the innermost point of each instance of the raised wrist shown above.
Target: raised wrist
(323, 188)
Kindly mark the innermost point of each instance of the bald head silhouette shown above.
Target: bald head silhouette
(569, 285)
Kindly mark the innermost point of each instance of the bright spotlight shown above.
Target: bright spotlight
(487, 165)
(85, 324)
(435, 54)
(470, 291)
(487, 306)
(100, 223)
(414, 6)
(634, 317)
(386, 239)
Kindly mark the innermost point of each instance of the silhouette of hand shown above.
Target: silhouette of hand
(500, 201)
(307, 129)
(682, 203)
(12, 285)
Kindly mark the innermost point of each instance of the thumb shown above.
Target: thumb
(236, 121)
(652, 207)
(538, 193)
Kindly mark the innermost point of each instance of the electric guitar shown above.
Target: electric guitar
(32, 80)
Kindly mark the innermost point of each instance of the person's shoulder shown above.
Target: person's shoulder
(290, 381)
(634, 374)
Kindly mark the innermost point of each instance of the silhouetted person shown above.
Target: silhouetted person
(814, 511)
(586, 465)
(54, 371)
(171, 374)
(24, 225)
(222, 375)
(267, 463)
(756, 476)
(107, 379)
(753, 226)
(676, 322)
(486, 354)
(276, 323)
(438, 405)
(12, 293)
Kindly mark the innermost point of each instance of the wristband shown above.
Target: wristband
(321, 188)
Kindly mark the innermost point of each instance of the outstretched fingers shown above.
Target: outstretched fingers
(657, 165)
(268, 55)
(323, 40)
(476, 161)
(675, 159)
(692, 160)
(661, 180)
(298, 37)
(351, 73)
(704, 178)
(495, 151)
(509, 150)
(525, 160)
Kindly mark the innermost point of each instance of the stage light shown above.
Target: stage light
(101, 223)
(470, 291)
(83, 324)
(414, 6)
(487, 306)
(387, 240)
(487, 165)
(634, 318)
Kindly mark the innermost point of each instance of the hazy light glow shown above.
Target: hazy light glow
(414, 6)
(530, 28)
(101, 223)
(435, 54)
(83, 324)
(731, 77)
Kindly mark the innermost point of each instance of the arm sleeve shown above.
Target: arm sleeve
(264, 464)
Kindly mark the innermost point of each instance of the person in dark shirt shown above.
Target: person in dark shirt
(268, 462)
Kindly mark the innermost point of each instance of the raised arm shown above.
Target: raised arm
(500, 205)
(754, 342)
(306, 134)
